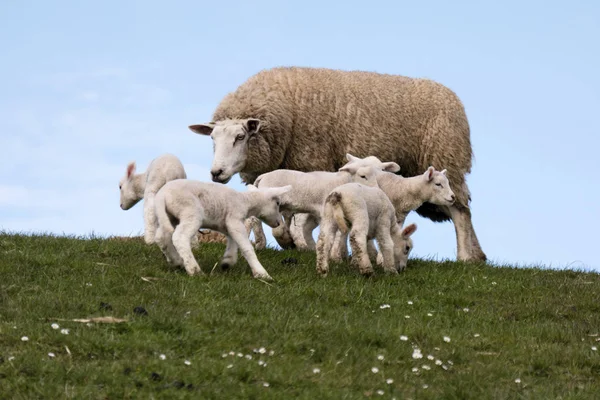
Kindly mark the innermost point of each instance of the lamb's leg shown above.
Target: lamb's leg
(373, 252)
(307, 229)
(465, 235)
(339, 250)
(386, 246)
(324, 245)
(150, 221)
(296, 230)
(236, 231)
(282, 233)
(360, 256)
(165, 242)
(189, 224)
(231, 254)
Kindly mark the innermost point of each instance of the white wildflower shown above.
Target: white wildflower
(316, 371)
(55, 326)
(438, 362)
(429, 314)
(266, 384)
(517, 380)
(260, 362)
(380, 357)
(450, 362)
(415, 369)
(248, 357)
(465, 309)
(410, 303)
(51, 355)
(403, 338)
(240, 355)
(430, 357)
(407, 316)
(374, 370)
(417, 354)
(262, 350)
(447, 339)
(389, 381)
(64, 331)
(380, 392)
(11, 358)
(224, 355)
(425, 386)
(187, 362)
(230, 366)
(384, 306)
(426, 367)
(594, 348)
(494, 283)
(476, 335)
(231, 353)
(24, 338)
(271, 352)
(162, 357)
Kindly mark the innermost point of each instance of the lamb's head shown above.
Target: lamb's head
(230, 145)
(266, 203)
(365, 170)
(437, 187)
(403, 244)
(129, 193)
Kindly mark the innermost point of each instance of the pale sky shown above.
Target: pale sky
(88, 86)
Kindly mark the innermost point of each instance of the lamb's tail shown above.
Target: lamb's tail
(162, 216)
(335, 201)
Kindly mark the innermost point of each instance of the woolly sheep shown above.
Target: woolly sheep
(371, 215)
(135, 187)
(309, 193)
(184, 206)
(306, 119)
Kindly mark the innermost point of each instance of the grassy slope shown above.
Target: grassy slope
(534, 325)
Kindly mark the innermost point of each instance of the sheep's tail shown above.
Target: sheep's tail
(257, 181)
(335, 201)
(160, 207)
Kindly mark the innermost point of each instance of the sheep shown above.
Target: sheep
(184, 206)
(135, 187)
(306, 119)
(310, 190)
(371, 215)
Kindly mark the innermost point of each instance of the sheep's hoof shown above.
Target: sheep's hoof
(391, 271)
(367, 272)
(194, 271)
(264, 277)
(225, 266)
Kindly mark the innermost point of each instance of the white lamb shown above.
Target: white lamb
(308, 194)
(183, 206)
(135, 187)
(371, 215)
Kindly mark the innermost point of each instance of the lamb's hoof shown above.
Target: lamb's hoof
(391, 271)
(264, 277)
(322, 273)
(367, 272)
(194, 271)
(225, 266)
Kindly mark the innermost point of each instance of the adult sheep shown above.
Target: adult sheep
(307, 119)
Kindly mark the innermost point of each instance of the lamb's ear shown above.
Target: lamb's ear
(278, 191)
(252, 126)
(203, 129)
(252, 188)
(429, 173)
(443, 171)
(351, 158)
(349, 168)
(390, 167)
(409, 230)
(130, 169)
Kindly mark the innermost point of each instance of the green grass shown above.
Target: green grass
(535, 325)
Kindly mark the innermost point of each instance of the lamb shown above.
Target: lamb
(184, 206)
(306, 119)
(371, 215)
(310, 190)
(135, 187)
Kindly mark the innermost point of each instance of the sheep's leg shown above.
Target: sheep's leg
(236, 231)
(386, 246)
(360, 256)
(182, 237)
(324, 245)
(296, 230)
(260, 240)
(282, 233)
(150, 221)
(465, 235)
(307, 229)
(231, 254)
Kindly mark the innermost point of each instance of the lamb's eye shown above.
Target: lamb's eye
(363, 176)
(438, 184)
(406, 249)
(240, 137)
(120, 187)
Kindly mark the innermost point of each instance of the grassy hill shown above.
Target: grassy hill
(482, 331)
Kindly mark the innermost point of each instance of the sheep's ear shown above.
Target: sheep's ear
(443, 171)
(429, 173)
(409, 230)
(351, 158)
(252, 188)
(349, 168)
(252, 126)
(130, 169)
(390, 167)
(203, 129)
(281, 190)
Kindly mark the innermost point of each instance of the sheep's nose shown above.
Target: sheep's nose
(215, 174)
(453, 197)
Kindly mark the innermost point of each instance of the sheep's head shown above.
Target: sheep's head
(438, 187)
(129, 194)
(230, 145)
(403, 244)
(267, 205)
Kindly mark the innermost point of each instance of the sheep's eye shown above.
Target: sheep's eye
(240, 137)
(407, 250)
(363, 176)
(438, 184)
(120, 187)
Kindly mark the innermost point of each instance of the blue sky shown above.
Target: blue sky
(89, 86)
